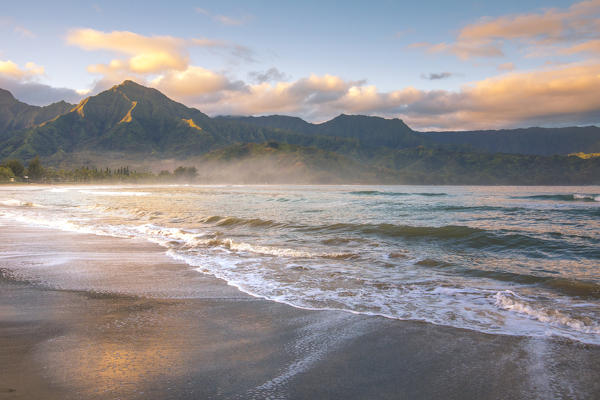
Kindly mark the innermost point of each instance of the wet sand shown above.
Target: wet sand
(90, 337)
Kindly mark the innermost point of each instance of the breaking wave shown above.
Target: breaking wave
(379, 193)
(562, 197)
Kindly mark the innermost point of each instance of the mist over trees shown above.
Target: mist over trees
(14, 170)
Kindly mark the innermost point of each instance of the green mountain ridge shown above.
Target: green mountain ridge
(394, 133)
(130, 123)
(15, 115)
(368, 131)
(534, 140)
(126, 117)
(133, 118)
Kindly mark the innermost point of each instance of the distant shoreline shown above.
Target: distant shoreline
(150, 183)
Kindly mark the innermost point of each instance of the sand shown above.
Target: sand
(108, 331)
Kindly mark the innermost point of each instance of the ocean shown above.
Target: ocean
(501, 260)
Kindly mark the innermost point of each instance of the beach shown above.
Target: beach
(100, 344)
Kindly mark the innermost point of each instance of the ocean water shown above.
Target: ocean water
(501, 260)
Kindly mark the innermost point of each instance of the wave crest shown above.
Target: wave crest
(562, 197)
(510, 301)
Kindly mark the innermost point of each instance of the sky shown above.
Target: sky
(438, 65)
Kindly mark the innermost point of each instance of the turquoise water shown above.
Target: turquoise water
(506, 260)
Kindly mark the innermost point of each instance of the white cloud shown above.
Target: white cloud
(10, 69)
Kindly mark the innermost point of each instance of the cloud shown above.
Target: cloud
(216, 94)
(225, 19)
(24, 32)
(192, 83)
(21, 82)
(233, 49)
(12, 70)
(506, 67)
(549, 24)
(591, 46)
(402, 33)
(8, 22)
(437, 76)
(558, 95)
(270, 75)
(555, 95)
(550, 28)
(37, 93)
(146, 54)
(563, 96)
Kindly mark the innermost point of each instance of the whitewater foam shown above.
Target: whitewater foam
(285, 257)
(19, 203)
(109, 193)
(587, 197)
(509, 300)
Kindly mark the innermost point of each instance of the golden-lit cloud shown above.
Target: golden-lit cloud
(591, 46)
(193, 81)
(148, 54)
(12, 70)
(566, 95)
(563, 94)
(464, 49)
(551, 27)
(549, 24)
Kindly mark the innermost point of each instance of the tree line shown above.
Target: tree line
(15, 171)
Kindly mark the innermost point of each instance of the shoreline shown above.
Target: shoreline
(150, 183)
(80, 343)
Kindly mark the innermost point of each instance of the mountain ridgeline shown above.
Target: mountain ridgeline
(394, 133)
(15, 115)
(141, 126)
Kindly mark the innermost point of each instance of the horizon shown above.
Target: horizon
(471, 66)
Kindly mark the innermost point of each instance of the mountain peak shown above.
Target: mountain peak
(129, 86)
(134, 91)
(6, 96)
(129, 83)
(357, 117)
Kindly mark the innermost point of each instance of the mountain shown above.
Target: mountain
(135, 125)
(423, 165)
(15, 115)
(539, 141)
(394, 133)
(282, 122)
(367, 131)
(127, 117)
(141, 121)
(275, 162)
